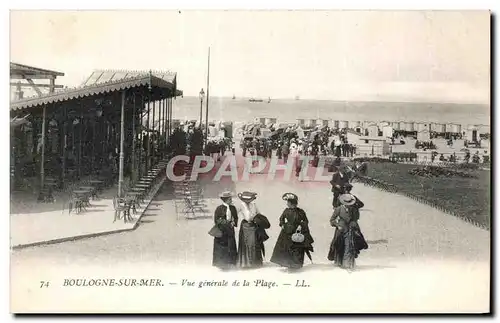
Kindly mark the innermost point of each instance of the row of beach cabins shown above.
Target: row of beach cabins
(471, 132)
(408, 126)
(370, 138)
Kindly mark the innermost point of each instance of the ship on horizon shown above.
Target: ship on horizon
(259, 100)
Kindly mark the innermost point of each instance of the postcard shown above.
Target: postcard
(190, 161)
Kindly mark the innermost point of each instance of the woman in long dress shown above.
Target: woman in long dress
(348, 240)
(252, 232)
(226, 219)
(288, 253)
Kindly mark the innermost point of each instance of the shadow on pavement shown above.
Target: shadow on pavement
(93, 210)
(380, 241)
(321, 267)
(327, 267)
(372, 267)
(146, 221)
(199, 217)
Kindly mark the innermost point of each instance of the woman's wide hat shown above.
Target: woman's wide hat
(290, 196)
(225, 194)
(247, 196)
(347, 199)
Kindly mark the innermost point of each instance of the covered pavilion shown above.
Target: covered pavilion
(116, 124)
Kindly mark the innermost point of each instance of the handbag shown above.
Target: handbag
(261, 221)
(262, 224)
(215, 232)
(298, 237)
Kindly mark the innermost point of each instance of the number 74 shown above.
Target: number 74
(44, 284)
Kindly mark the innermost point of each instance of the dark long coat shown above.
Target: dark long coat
(348, 240)
(225, 253)
(286, 252)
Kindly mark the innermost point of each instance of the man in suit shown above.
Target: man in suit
(338, 182)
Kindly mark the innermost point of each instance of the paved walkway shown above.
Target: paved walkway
(419, 260)
(39, 223)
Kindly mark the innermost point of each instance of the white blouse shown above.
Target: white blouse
(249, 211)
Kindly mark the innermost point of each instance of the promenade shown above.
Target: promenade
(419, 259)
(33, 223)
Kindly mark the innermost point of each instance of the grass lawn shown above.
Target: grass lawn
(465, 197)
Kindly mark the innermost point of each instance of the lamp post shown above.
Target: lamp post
(202, 96)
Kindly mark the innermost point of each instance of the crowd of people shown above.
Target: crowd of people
(295, 240)
(291, 143)
(317, 141)
(190, 140)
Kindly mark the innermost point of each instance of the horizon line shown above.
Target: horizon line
(336, 100)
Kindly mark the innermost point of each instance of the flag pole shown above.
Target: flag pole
(208, 96)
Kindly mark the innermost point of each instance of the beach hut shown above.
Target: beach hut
(323, 122)
(366, 123)
(395, 125)
(383, 124)
(422, 126)
(438, 127)
(372, 146)
(409, 126)
(424, 135)
(301, 122)
(472, 133)
(271, 120)
(402, 125)
(451, 128)
(372, 130)
(483, 129)
(354, 124)
(343, 124)
(387, 132)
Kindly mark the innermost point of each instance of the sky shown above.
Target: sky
(437, 56)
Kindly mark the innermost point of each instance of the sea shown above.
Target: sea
(240, 109)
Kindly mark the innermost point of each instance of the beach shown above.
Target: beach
(240, 109)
